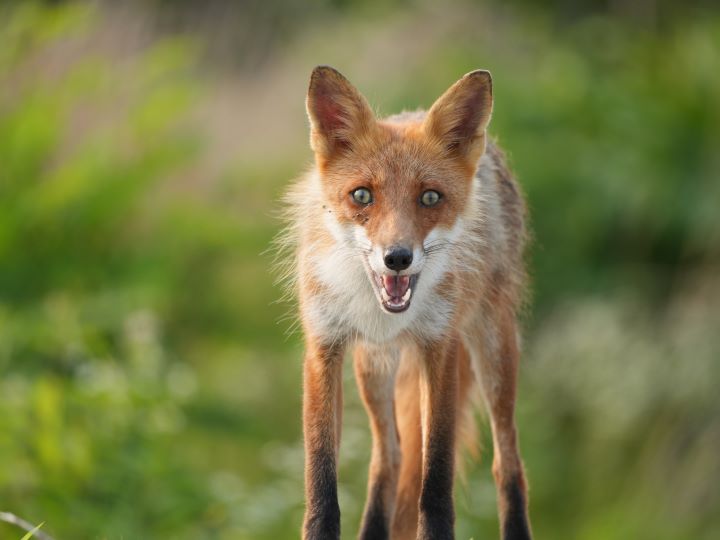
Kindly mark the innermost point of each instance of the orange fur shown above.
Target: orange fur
(426, 294)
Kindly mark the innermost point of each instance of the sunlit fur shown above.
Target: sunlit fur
(468, 253)
(330, 260)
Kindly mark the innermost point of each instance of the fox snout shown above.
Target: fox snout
(394, 272)
(398, 258)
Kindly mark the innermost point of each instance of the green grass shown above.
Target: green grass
(147, 387)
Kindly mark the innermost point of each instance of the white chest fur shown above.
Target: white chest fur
(348, 308)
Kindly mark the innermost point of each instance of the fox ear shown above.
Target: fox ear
(458, 118)
(339, 114)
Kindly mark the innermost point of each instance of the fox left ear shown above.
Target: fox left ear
(339, 115)
(459, 118)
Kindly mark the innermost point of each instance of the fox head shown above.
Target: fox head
(395, 190)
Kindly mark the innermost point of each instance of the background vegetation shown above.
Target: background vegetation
(148, 385)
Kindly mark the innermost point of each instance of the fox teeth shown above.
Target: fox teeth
(389, 299)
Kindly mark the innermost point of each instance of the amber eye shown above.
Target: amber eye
(430, 198)
(362, 196)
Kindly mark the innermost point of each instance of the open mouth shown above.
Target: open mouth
(395, 291)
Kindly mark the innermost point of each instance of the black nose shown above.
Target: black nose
(398, 258)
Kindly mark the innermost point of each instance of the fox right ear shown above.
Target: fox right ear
(339, 115)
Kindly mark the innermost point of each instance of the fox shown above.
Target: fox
(407, 237)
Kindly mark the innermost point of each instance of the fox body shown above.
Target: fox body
(408, 236)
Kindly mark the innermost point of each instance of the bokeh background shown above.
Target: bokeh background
(149, 383)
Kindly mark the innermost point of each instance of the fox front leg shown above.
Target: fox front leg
(322, 404)
(438, 385)
(376, 381)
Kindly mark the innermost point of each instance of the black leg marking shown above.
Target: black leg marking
(325, 524)
(375, 523)
(516, 525)
(436, 503)
(323, 516)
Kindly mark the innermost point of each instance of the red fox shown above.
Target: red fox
(408, 236)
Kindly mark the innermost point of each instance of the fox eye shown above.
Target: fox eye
(362, 196)
(430, 198)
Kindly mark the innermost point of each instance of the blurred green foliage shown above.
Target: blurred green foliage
(147, 389)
